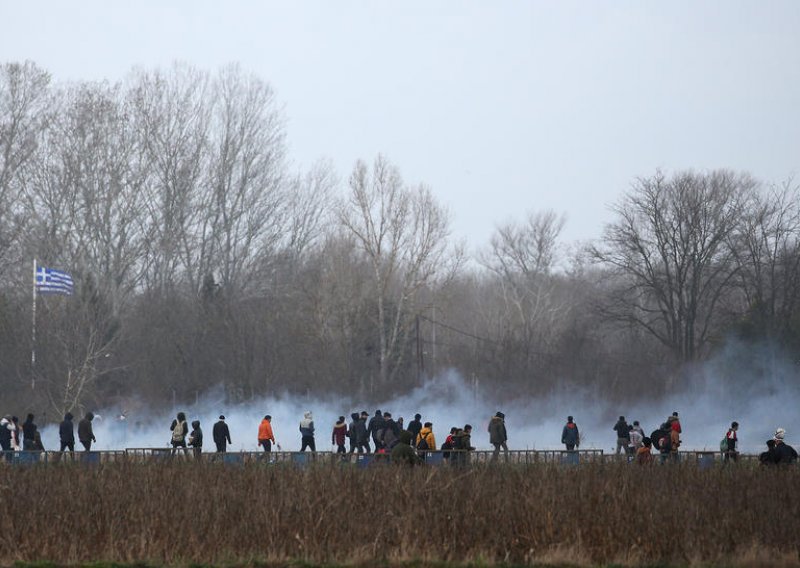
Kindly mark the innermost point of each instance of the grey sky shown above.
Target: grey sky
(501, 107)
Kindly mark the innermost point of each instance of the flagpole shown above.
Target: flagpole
(33, 332)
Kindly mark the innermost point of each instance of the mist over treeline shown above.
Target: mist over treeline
(205, 259)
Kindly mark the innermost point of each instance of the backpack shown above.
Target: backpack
(177, 432)
(423, 443)
(661, 440)
(723, 444)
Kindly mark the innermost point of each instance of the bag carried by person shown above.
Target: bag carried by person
(423, 443)
(723, 445)
(177, 432)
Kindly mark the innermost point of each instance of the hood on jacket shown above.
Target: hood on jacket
(340, 425)
(571, 425)
(308, 415)
(68, 416)
(405, 437)
(196, 424)
(354, 416)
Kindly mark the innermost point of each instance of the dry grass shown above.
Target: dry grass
(188, 513)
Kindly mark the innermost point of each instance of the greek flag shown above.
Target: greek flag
(51, 281)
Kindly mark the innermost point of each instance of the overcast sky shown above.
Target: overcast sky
(501, 107)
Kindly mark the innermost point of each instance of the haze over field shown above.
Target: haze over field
(546, 209)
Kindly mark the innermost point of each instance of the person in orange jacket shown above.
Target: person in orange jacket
(265, 436)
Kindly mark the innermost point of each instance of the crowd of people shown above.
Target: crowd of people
(381, 434)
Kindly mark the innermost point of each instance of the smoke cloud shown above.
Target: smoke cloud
(756, 386)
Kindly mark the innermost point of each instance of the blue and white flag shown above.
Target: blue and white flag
(51, 281)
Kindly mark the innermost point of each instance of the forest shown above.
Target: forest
(203, 258)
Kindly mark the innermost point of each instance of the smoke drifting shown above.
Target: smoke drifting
(755, 386)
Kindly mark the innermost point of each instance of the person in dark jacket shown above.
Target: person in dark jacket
(731, 438)
(196, 439)
(85, 432)
(29, 430)
(623, 434)
(66, 433)
(339, 435)
(570, 436)
(6, 429)
(498, 435)
(357, 434)
(784, 453)
(391, 431)
(221, 435)
(179, 429)
(415, 426)
(768, 457)
(403, 453)
(449, 443)
(375, 429)
(363, 433)
(462, 441)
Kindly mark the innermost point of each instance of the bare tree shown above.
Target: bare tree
(521, 257)
(767, 251)
(403, 233)
(668, 250)
(24, 116)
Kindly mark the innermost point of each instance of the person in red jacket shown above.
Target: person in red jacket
(339, 435)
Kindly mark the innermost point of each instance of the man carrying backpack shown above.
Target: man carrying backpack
(730, 453)
(623, 436)
(662, 441)
(426, 442)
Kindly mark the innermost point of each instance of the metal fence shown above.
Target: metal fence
(433, 458)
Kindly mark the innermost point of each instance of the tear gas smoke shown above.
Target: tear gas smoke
(752, 385)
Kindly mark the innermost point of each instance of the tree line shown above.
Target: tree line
(204, 258)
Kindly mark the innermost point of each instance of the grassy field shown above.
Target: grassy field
(185, 513)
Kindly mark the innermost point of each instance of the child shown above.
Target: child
(643, 455)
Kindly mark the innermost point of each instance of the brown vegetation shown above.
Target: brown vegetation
(186, 513)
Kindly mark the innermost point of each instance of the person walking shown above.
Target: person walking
(196, 439)
(636, 440)
(731, 439)
(307, 433)
(6, 429)
(66, 433)
(221, 434)
(179, 429)
(415, 426)
(85, 432)
(623, 435)
(358, 434)
(391, 431)
(339, 435)
(265, 436)
(498, 436)
(570, 436)
(426, 441)
(29, 431)
(375, 429)
(462, 442)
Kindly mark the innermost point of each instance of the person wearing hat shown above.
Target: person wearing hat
(784, 453)
(570, 436)
(221, 435)
(498, 435)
